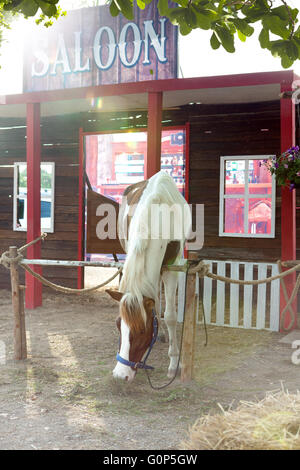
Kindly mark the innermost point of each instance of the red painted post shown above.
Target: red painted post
(33, 296)
(153, 159)
(288, 198)
(187, 162)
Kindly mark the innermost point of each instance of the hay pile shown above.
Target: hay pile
(270, 424)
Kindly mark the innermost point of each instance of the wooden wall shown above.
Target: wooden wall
(215, 131)
(12, 149)
(59, 137)
(228, 131)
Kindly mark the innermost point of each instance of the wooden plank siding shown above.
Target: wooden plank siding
(215, 130)
(59, 141)
(231, 130)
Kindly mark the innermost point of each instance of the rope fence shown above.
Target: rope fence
(13, 258)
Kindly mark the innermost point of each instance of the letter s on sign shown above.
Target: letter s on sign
(41, 65)
(296, 354)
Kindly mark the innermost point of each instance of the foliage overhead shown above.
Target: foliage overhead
(46, 9)
(276, 20)
(228, 19)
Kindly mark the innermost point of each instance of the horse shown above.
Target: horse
(159, 221)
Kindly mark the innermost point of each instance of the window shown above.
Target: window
(116, 160)
(247, 198)
(47, 197)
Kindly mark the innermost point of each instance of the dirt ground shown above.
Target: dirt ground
(64, 396)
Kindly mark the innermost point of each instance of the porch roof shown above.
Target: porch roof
(242, 88)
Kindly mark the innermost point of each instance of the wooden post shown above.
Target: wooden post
(81, 211)
(23, 326)
(153, 160)
(189, 330)
(33, 152)
(15, 293)
(288, 200)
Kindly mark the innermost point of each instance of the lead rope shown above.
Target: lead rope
(181, 341)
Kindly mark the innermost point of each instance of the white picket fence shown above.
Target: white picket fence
(233, 305)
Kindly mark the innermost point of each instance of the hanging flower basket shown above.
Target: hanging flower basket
(285, 167)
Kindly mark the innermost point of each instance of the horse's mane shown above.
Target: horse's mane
(130, 308)
(161, 189)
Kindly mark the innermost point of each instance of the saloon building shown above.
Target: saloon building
(102, 108)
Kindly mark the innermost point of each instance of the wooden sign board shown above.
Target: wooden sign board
(89, 47)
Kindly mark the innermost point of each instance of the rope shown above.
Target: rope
(68, 290)
(201, 268)
(24, 247)
(6, 261)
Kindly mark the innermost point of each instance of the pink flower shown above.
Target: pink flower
(285, 165)
(298, 173)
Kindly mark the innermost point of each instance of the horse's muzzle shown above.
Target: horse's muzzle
(122, 372)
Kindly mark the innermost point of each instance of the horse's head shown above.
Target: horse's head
(136, 334)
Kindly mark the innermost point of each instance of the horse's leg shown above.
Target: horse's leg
(170, 282)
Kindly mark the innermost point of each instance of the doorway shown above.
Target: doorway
(113, 161)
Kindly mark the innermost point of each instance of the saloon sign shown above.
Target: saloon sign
(89, 47)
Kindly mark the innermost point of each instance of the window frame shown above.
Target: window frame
(15, 197)
(246, 197)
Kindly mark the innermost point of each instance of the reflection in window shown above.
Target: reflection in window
(247, 198)
(47, 197)
(259, 216)
(235, 177)
(234, 215)
(114, 161)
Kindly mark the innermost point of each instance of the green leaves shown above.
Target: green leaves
(28, 8)
(225, 19)
(287, 50)
(281, 22)
(163, 7)
(276, 25)
(126, 8)
(47, 7)
(214, 42)
(226, 38)
(264, 39)
(242, 26)
(113, 8)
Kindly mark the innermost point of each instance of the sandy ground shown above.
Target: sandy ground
(64, 397)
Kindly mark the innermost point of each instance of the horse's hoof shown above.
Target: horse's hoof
(161, 337)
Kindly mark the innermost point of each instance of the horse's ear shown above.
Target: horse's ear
(116, 295)
(149, 303)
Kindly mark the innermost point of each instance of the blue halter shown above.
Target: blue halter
(142, 365)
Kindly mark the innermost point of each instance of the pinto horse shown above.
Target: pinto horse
(159, 221)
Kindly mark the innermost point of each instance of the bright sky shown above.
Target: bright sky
(196, 58)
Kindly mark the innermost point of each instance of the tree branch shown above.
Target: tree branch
(288, 9)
